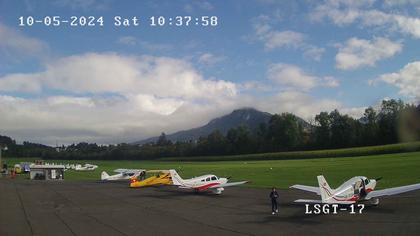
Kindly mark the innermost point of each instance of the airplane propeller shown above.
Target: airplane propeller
(229, 177)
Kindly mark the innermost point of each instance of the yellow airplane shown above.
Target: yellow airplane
(162, 178)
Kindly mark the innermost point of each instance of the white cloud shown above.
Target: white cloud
(357, 53)
(314, 52)
(198, 5)
(113, 73)
(292, 76)
(210, 59)
(346, 12)
(331, 82)
(133, 41)
(14, 43)
(299, 103)
(279, 39)
(85, 5)
(111, 98)
(407, 80)
(275, 39)
(127, 40)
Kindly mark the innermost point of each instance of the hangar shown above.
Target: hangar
(47, 172)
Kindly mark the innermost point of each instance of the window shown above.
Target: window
(366, 181)
(213, 178)
(208, 179)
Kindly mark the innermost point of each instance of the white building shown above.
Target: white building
(47, 172)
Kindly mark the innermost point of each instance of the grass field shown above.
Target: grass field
(396, 169)
(326, 153)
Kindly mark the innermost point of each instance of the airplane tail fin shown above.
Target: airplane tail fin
(325, 189)
(176, 179)
(104, 175)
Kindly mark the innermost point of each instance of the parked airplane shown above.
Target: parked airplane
(356, 189)
(86, 167)
(162, 177)
(202, 183)
(122, 174)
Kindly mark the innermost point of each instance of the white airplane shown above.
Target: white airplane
(86, 167)
(203, 183)
(122, 174)
(356, 189)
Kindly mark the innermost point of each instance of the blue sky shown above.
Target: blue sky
(118, 84)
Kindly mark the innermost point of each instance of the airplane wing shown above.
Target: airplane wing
(157, 171)
(393, 191)
(229, 184)
(306, 188)
(310, 201)
(128, 170)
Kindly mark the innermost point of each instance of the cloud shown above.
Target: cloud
(343, 12)
(210, 59)
(113, 73)
(15, 44)
(279, 39)
(127, 40)
(356, 53)
(274, 39)
(198, 5)
(300, 103)
(111, 98)
(85, 5)
(314, 52)
(292, 76)
(108, 97)
(133, 41)
(407, 80)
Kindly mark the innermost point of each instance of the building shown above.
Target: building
(47, 172)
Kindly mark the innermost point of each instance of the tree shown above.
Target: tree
(370, 127)
(240, 140)
(163, 141)
(388, 120)
(285, 132)
(342, 130)
(322, 130)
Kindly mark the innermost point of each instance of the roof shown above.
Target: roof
(47, 166)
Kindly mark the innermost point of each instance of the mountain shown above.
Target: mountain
(248, 117)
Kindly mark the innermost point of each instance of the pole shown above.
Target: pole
(1, 164)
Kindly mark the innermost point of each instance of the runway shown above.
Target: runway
(91, 208)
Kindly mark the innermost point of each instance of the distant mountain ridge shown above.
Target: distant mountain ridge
(248, 117)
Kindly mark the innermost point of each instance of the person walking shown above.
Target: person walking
(273, 196)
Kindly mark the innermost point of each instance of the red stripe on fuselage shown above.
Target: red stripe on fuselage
(353, 198)
(203, 187)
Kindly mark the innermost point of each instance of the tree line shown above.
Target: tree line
(394, 121)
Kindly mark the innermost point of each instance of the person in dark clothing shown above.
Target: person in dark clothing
(274, 195)
(142, 175)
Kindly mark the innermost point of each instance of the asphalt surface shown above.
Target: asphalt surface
(90, 208)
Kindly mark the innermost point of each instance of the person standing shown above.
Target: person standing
(273, 196)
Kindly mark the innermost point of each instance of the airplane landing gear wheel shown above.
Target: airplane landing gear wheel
(375, 201)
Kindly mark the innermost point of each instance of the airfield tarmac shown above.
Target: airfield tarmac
(93, 208)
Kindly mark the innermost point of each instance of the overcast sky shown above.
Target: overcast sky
(121, 84)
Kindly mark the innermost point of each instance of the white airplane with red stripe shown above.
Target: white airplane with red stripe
(203, 183)
(356, 189)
